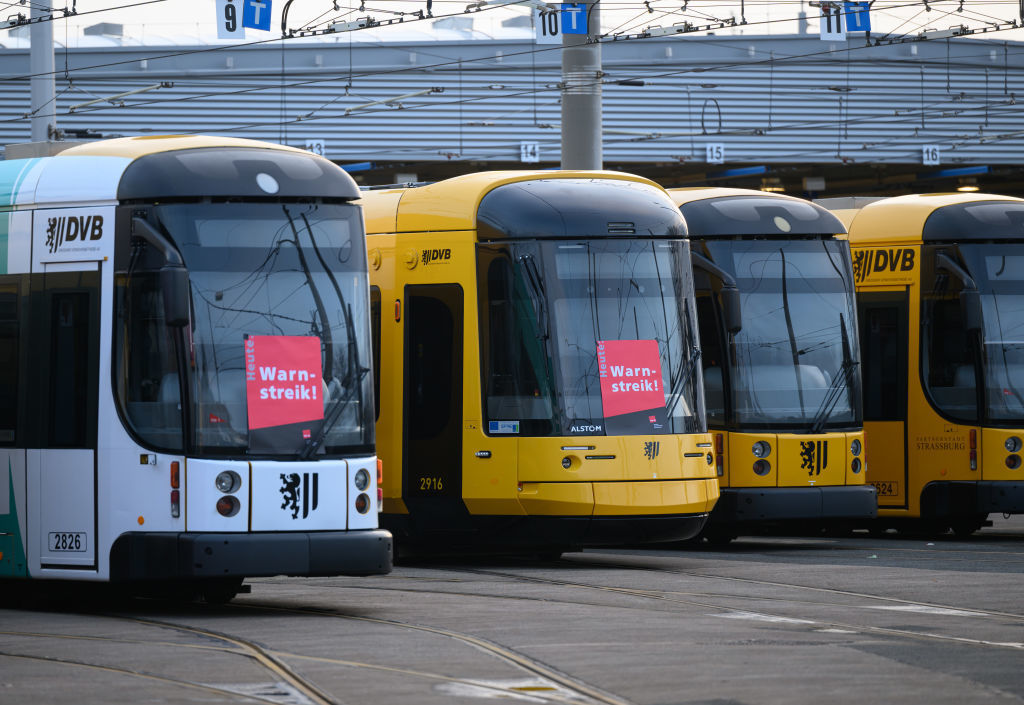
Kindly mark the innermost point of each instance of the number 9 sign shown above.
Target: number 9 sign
(229, 19)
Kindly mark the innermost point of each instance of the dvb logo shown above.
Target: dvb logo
(71, 228)
(867, 262)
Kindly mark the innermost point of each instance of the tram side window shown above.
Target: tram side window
(147, 377)
(9, 352)
(69, 370)
(515, 357)
(948, 352)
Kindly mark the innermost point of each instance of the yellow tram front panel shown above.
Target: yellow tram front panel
(795, 460)
(465, 463)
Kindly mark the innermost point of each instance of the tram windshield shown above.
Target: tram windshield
(555, 315)
(998, 272)
(795, 363)
(290, 275)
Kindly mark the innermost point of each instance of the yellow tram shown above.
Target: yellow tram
(536, 339)
(783, 392)
(940, 287)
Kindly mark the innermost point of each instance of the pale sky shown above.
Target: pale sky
(195, 19)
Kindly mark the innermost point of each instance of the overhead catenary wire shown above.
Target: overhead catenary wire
(439, 65)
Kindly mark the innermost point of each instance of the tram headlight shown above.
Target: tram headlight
(363, 503)
(855, 447)
(761, 449)
(362, 479)
(1013, 444)
(228, 481)
(762, 467)
(228, 505)
(855, 465)
(1013, 461)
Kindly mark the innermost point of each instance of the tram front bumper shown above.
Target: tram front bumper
(158, 556)
(969, 498)
(748, 504)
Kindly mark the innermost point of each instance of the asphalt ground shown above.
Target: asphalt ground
(772, 619)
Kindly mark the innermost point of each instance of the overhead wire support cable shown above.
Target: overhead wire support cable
(114, 98)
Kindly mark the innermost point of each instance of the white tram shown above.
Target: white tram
(186, 392)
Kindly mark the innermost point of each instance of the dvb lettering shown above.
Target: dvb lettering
(869, 261)
(429, 256)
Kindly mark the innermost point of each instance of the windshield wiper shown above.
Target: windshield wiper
(841, 381)
(680, 382)
(794, 350)
(332, 418)
(325, 328)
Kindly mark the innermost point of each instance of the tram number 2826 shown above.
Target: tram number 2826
(67, 541)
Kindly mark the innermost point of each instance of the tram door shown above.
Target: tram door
(61, 461)
(883, 335)
(432, 459)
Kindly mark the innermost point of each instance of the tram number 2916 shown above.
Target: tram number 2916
(431, 484)
(67, 541)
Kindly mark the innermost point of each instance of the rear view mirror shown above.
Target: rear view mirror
(173, 275)
(729, 292)
(970, 306)
(174, 287)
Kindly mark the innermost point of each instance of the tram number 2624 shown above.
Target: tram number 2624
(887, 489)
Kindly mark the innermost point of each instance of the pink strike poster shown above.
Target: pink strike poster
(284, 390)
(632, 388)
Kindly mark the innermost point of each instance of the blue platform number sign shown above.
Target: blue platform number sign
(574, 18)
(256, 14)
(858, 18)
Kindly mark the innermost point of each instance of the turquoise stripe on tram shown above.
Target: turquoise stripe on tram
(12, 174)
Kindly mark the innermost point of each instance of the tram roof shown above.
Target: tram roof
(908, 219)
(717, 211)
(153, 166)
(453, 204)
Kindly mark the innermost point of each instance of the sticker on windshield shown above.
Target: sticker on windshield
(284, 391)
(632, 391)
(503, 427)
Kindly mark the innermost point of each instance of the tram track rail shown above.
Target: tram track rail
(553, 685)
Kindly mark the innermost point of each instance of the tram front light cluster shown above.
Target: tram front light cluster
(761, 449)
(762, 467)
(1013, 446)
(362, 479)
(228, 505)
(855, 449)
(175, 491)
(227, 482)
(974, 448)
(380, 485)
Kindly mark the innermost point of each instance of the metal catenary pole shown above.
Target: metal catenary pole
(581, 90)
(43, 93)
